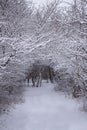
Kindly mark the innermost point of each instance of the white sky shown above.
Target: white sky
(43, 2)
(40, 2)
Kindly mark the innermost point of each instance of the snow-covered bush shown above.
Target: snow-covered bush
(64, 81)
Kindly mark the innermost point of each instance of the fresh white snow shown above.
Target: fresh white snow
(45, 109)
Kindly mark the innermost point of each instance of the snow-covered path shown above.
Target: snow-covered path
(44, 109)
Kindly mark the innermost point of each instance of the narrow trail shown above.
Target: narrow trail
(44, 109)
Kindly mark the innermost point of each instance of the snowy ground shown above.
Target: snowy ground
(44, 109)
